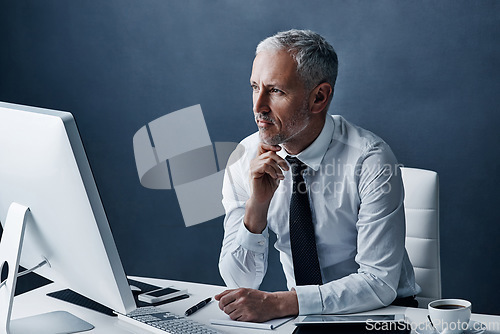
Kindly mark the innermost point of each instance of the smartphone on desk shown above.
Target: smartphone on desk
(160, 295)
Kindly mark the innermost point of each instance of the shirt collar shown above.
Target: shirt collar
(314, 153)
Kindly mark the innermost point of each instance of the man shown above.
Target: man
(342, 245)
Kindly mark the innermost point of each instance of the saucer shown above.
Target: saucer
(475, 327)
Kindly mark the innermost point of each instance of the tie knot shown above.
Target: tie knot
(297, 166)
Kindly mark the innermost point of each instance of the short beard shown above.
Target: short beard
(284, 136)
(275, 140)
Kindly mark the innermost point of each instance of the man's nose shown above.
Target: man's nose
(260, 102)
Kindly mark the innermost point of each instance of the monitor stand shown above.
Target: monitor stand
(10, 255)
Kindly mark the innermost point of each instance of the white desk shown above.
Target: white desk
(36, 302)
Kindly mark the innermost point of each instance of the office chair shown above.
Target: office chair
(422, 230)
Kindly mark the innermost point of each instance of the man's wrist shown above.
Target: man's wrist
(255, 218)
(286, 303)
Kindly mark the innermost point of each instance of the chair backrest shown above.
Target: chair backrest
(422, 230)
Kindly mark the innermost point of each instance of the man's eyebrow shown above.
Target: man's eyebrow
(269, 84)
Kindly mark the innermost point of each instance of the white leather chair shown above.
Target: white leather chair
(422, 230)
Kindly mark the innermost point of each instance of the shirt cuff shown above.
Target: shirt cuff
(253, 242)
(310, 301)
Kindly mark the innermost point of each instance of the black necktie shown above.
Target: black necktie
(302, 238)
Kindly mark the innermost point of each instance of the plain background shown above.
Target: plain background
(423, 75)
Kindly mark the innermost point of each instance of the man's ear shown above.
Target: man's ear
(318, 100)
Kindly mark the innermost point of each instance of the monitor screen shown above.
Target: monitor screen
(43, 166)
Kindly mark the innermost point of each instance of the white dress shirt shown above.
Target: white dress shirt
(356, 196)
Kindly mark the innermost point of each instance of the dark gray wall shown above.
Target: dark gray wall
(424, 75)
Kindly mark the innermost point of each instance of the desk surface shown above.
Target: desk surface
(36, 302)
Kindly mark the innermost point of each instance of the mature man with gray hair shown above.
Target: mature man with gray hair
(331, 191)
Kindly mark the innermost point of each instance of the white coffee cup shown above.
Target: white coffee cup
(450, 316)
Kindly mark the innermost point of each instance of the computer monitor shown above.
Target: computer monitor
(43, 166)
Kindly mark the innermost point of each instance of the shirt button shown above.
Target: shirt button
(261, 243)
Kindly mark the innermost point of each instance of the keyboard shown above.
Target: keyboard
(159, 321)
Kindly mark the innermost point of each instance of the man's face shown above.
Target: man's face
(280, 102)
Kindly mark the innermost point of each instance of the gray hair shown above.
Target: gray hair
(316, 59)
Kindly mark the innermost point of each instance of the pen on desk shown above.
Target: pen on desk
(197, 306)
(429, 317)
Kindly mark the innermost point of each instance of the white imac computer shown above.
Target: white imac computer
(52, 214)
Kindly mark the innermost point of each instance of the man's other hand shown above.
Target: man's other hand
(257, 306)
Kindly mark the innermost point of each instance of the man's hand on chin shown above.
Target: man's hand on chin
(257, 306)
